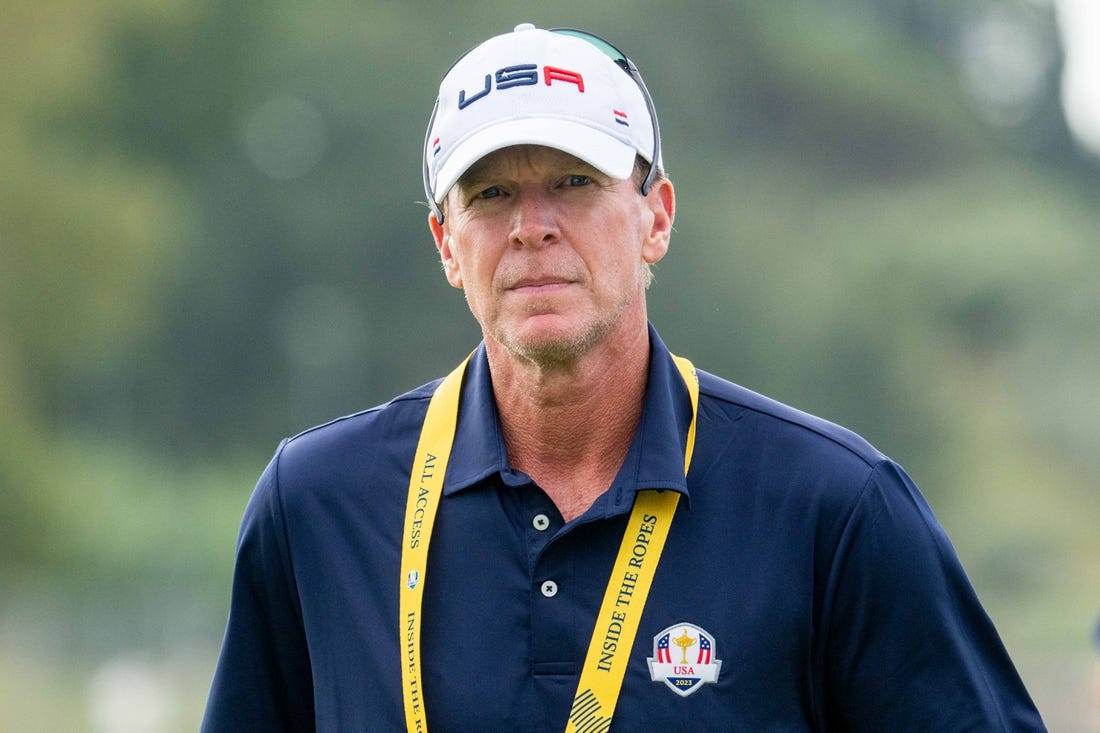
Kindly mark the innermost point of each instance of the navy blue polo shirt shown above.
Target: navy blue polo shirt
(805, 584)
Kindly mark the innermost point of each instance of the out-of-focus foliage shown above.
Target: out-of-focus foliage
(211, 237)
(86, 233)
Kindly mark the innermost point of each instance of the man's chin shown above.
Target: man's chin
(548, 346)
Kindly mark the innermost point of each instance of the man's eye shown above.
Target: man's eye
(490, 193)
(578, 180)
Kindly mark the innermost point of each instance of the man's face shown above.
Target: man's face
(550, 252)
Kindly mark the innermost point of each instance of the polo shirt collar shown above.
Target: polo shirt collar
(655, 459)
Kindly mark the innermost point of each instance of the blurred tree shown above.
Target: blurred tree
(85, 233)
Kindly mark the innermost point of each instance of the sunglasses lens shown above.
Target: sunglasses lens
(610, 51)
(620, 58)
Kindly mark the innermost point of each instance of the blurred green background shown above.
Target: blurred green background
(211, 237)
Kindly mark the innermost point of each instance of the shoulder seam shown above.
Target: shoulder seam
(415, 395)
(871, 462)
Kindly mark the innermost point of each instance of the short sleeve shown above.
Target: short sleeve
(905, 641)
(263, 678)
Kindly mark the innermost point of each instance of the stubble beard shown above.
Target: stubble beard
(559, 351)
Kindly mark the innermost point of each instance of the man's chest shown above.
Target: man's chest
(510, 607)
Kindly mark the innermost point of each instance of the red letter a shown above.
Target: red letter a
(553, 72)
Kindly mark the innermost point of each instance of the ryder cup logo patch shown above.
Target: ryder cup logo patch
(684, 658)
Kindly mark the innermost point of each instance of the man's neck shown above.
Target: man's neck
(570, 426)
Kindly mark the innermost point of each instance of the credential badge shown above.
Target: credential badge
(684, 658)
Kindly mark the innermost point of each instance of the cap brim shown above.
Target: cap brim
(607, 154)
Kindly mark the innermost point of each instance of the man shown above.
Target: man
(794, 580)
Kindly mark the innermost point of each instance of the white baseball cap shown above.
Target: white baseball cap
(561, 88)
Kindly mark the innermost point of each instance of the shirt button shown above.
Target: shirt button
(549, 589)
(541, 522)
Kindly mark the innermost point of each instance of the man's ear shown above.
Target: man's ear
(662, 204)
(442, 236)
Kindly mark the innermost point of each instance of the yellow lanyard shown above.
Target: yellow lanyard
(621, 611)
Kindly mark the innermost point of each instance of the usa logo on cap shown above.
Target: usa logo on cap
(684, 658)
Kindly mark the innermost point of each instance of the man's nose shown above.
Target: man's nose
(534, 222)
